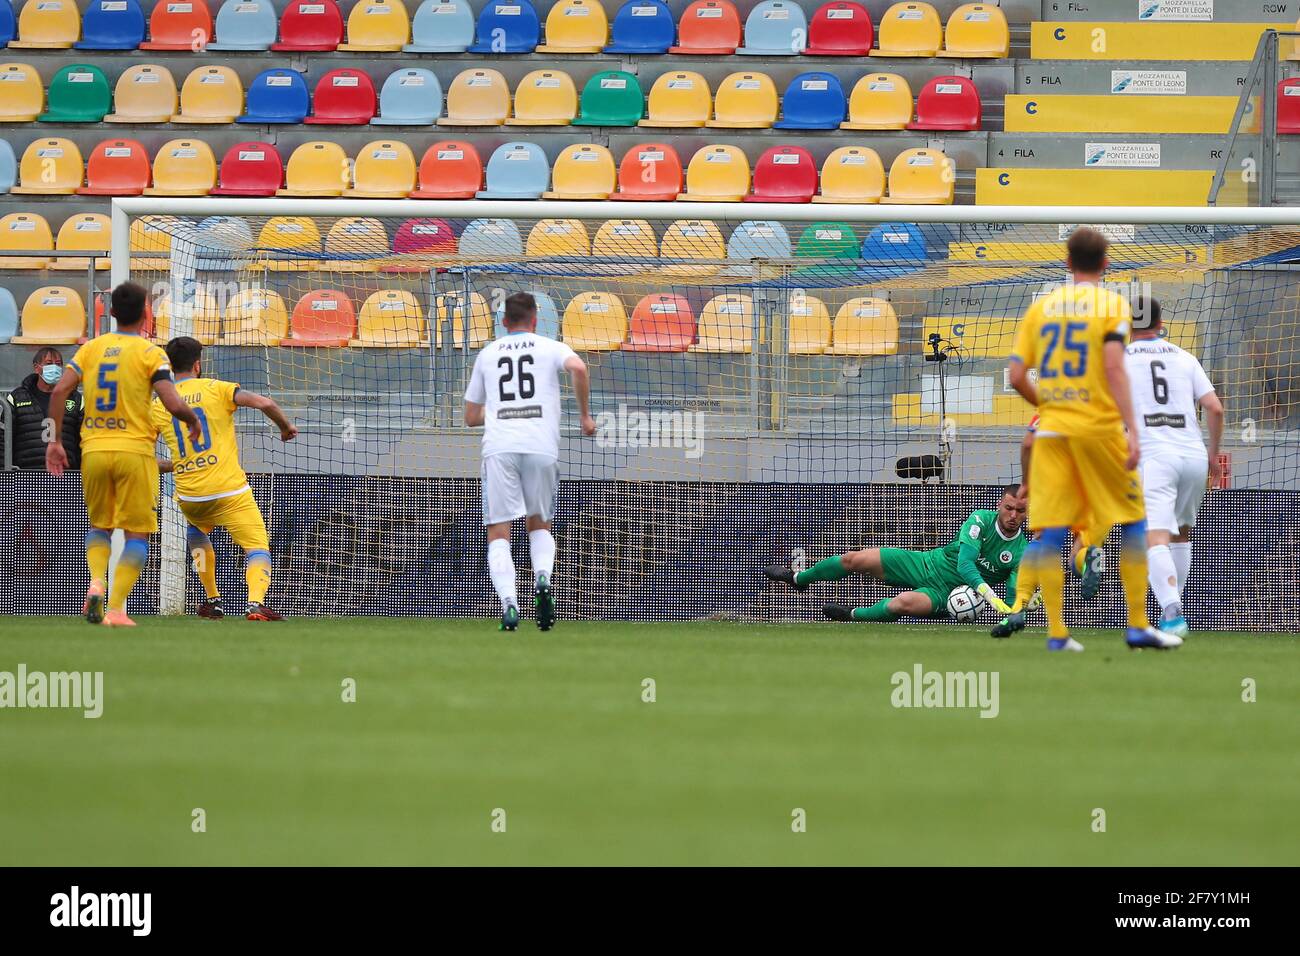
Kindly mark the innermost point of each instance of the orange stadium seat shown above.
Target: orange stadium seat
(450, 169)
(116, 167)
(708, 28)
(324, 318)
(650, 172)
(661, 323)
(179, 25)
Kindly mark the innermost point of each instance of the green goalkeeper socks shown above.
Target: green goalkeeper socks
(877, 612)
(827, 569)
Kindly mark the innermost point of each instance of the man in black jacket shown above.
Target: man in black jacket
(29, 407)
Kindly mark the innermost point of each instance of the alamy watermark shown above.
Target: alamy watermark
(655, 428)
(946, 689)
(73, 690)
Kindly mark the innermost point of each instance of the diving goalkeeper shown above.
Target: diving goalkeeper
(985, 552)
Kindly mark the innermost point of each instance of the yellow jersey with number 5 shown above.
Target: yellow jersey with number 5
(117, 375)
(1061, 338)
(208, 469)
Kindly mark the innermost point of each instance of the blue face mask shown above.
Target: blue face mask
(50, 374)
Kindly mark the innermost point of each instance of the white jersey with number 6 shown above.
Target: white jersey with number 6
(1166, 383)
(517, 380)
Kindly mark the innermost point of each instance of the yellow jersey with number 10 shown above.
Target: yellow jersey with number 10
(209, 469)
(117, 375)
(1061, 337)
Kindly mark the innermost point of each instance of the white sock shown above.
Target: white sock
(1163, 577)
(1182, 554)
(502, 566)
(541, 545)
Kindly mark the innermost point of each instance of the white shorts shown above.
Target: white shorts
(518, 485)
(1174, 489)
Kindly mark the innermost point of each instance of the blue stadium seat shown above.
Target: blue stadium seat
(9, 316)
(892, 249)
(813, 101)
(758, 239)
(642, 26)
(516, 171)
(775, 28)
(507, 26)
(410, 97)
(8, 167)
(441, 26)
(245, 25)
(277, 95)
(222, 243)
(111, 25)
(490, 239)
(8, 25)
(548, 316)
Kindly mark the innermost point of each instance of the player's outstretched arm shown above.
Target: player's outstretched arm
(177, 406)
(1213, 406)
(269, 408)
(56, 456)
(577, 370)
(1112, 354)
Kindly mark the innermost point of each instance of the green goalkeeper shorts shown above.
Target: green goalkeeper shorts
(915, 571)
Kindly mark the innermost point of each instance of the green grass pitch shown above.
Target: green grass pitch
(453, 721)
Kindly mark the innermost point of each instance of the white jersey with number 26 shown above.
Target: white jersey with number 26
(1166, 383)
(517, 379)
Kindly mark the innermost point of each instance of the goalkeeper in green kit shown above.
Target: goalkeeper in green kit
(986, 551)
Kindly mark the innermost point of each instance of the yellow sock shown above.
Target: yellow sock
(1133, 572)
(205, 561)
(257, 570)
(98, 548)
(127, 572)
(1051, 578)
(1026, 585)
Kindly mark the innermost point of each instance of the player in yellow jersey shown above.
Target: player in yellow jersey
(1083, 469)
(211, 487)
(121, 370)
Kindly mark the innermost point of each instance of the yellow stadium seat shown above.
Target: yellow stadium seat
(384, 169)
(880, 101)
(809, 324)
(52, 315)
(909, 29)
(1093, 187)
(678, 100)
(452, 307)
(852, 174)
(26, 231)
(576, 26)
(477, 98)
(391, 319)
(745, 101)
(50, 167)
(356, 244)
(921, 177)
(211, 94)
(717, 174)
(726, 324)
(697, 244)
(624, 239)
(978, 336)
(378, 27)
(583, 171)
(977, 30)
(283, 236)
(204, 320)
(256, 317)
(545, 98)
(47, 25)
(151, 241)
(865, 326)
(183, 167)
(24, 98)
(144, 94)
(594, 322)
(317, 168)
(86, 232)
(552, 238)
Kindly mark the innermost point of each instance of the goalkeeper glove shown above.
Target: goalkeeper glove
(988, 594)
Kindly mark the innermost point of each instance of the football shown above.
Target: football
(964, 604)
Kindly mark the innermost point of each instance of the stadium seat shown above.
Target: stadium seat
(26, 232)
(576, 26)
(150, 242)
(250, 169)
(8, 23)
(183, 167)
(754, 239)
(909, 29)
(660, 322)
(256, 317)
(179, 25)
(696, 244)
(852, 174)
(977, 30)
(288, 244)
(619, 240)
(827, 240)
(310, 26)
(490, 240)
(245, 25)
(317, 168)
(558, 239)
(650, 172)
(477, 97)
(211, 94)
(356, 244)
(880, 101)
(545, 98)
(222, 243)
(516, 171)
(840, 29)
(24, 98)
(410, 97)
(116, 167)
(745, 101)
(775, 28)
(921, 177)
(510, 26)
(679, 100)
(642, 26)
(1288, 106)
(784, 174)
(8, 167)
(111, 25)
(391, 318)
(377, 27)
(50, 167)
(8, 316)
(813, 101)
(708, 28)
(421, 244)
(47, 25)
(548, 317)
(726, 324)
(442, 26)
(456, 311)
(449, 169)
(948, 103)
(865, 326)
(594, 322)
(809, 324)
(143, 94)
(52, 315)
(206, 317)
(897, 243)
(583, 171)
(277, 95)
(344, 97)
(717, 174)
(611, 98)
(324, 318)
(77, 94)
(384, 169)
(85, 232)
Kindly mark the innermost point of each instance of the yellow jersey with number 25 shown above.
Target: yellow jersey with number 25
(117, 375)
(209, 469)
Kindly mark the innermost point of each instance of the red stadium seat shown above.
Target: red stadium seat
(343, 97)
(784, 174)
(450, 169)
(116, 167)
(422, 243)
(661, 323)
(322, 319)
(179, 25)
(708, 28)
(250, 169)
(948, 102)
(1288, 106)
(840, 29)
(650, 172)
(310, 25)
